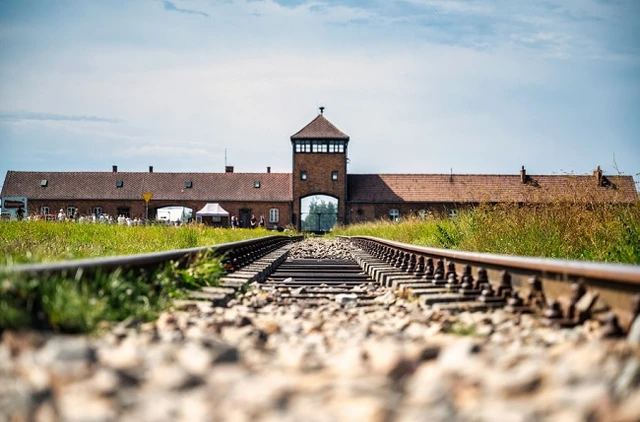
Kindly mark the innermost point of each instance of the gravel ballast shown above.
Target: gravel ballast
(260, 359)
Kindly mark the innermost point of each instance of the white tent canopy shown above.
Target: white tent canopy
(212, 210)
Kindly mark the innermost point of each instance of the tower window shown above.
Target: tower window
(303, 175)
(336, 146)
(334, 175)
(303, 146)
(319, 146)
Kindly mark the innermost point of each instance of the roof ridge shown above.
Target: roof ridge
(320, 128)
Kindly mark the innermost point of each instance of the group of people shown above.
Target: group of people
(102, 218)
(253, 222)
(122, 220)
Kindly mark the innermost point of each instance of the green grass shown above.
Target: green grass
(77, 303)
(41, 241)
(599, 232)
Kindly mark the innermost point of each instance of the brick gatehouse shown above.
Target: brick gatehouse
(319, 170)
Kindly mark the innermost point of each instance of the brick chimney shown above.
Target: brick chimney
(597, 173)
(228, 169)
(150, 169)
(114, 168)
(268, 169)
(523, 175)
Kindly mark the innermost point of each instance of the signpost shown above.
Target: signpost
(147, 197)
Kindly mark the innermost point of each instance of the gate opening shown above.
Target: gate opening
(319, 213)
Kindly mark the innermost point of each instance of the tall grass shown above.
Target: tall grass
(41, 241)
(78, 303)
(594, 232)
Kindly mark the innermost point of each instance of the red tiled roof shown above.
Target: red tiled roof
(319, 128)
(211, 187)
(390, 188)
(276, 187)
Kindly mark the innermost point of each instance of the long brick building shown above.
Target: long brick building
(319, 167)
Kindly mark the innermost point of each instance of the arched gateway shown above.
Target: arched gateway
(318, 213)
(319, 169)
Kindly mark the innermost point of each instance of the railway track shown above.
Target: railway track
(351, 329)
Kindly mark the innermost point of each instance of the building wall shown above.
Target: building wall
(360, 212)
(319, 167)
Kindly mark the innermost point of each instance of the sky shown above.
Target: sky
(420, 86)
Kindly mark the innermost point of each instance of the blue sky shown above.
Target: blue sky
(421, 86)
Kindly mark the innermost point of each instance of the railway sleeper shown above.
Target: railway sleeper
(444, 291)
(231, 283)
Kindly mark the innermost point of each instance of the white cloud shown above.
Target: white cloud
(476, 90)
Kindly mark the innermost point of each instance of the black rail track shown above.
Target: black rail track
(562, 292)
(236, 255)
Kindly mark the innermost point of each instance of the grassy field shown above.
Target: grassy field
(40, 241)
(84, 304)
(569, 231)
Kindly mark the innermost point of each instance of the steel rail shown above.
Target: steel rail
(569, 270)
(605, 287)
(236, 254)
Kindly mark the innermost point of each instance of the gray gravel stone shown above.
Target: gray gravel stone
(261, 358)
(634, 333)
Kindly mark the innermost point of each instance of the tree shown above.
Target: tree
(322, 216)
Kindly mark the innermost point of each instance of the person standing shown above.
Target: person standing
(261, 222)
(253, 221)
(234, 221)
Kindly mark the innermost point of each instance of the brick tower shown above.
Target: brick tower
(319, 165)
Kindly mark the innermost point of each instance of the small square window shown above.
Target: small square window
(256, 183)
(119, 183)
(188, 184)
(44, 183)
(303, 175)
(394, 214)
(334, 175)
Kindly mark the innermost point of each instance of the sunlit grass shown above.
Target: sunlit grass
(76, 303)
(41, 241)
(594, 232)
